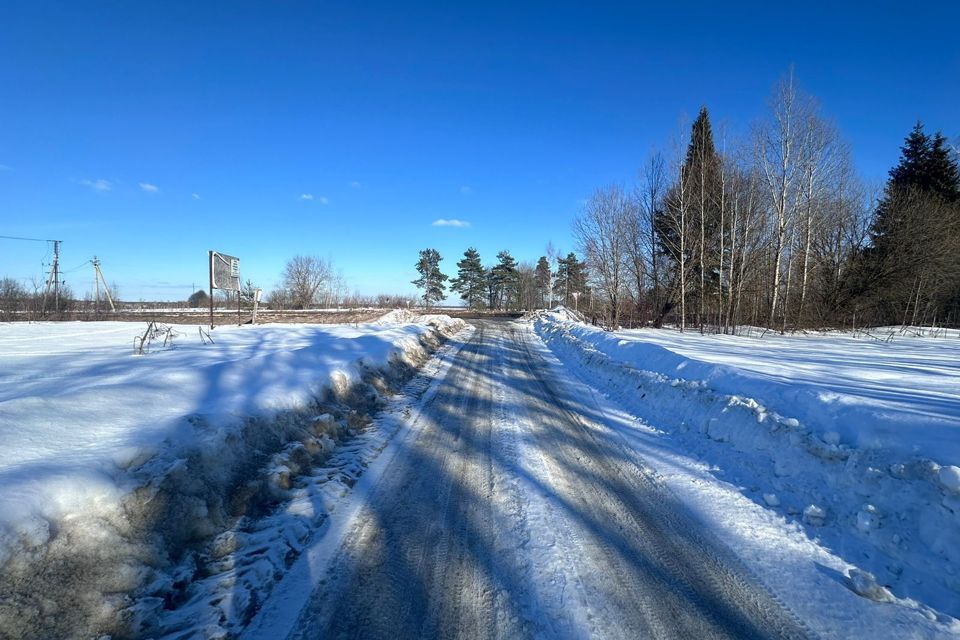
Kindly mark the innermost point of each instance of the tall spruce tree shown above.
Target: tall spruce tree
(471, 282)
(700, 196)
(431, 279)
(542, 277)
(910, 268)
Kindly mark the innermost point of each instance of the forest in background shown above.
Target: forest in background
(775, 230)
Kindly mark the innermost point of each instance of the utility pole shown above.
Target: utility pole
(98, 278)
(96, 284)
(53, 280)
(56, 275)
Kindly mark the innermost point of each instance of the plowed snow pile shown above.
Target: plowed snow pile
(855, 440)
(112, 463)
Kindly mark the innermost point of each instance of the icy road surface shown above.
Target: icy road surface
(510, 510)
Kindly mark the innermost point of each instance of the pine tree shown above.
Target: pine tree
(470, 282)
(431, 279)
(506, 281)
(542, 280)
(577, 274)
(570, 280)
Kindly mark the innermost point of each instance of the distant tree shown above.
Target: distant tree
(248, 292)
(13, 298)
(303, 278)
(278, 299)
(600, 233)
(470, 282)
(431, 279)
(528, 293)
(198, 299)
(542, 277)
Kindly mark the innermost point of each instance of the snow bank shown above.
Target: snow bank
(902, 396)
(853, 439)
(112, 464)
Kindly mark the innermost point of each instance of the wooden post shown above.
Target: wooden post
(239, 322)
(256, 304)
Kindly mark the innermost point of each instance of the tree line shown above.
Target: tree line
(774, 230)
(777, 231)
(506, 285)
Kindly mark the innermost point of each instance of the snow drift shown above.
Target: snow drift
(113, 465)
(855, 440)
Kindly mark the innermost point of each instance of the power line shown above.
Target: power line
(27, 239)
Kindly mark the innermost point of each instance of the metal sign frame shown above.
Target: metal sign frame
(229, 281)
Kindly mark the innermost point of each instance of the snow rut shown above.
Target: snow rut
(511, 511)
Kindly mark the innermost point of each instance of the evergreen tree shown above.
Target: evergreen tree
(431, 279)
(570, 280)
(506, 281)
(470, 282)
(577, 274)
(542, 280)
(701, 174)
(911, 262)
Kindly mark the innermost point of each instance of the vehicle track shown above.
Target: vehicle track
(513, 511)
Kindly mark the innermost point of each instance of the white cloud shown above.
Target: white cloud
(466, 191)
(149, 188)
(196, 196)
(355, 184)
(309, 197)
(452, 222)
(97, 185)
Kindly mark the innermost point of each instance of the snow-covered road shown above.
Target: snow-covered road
(510, 508)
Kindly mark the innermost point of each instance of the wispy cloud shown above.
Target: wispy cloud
(5, 167)
(196, 196)
(149, 188)
(323, 200)
(355, 184)
(309, 197)
(97, 185)
(306, 196)
(452, 222)
(466, 191)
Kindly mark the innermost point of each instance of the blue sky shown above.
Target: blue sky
(149, 132)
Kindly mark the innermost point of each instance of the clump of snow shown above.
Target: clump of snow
(397, 316)
(863, 583)
(867, 518)
(949, 477)
(814, 515)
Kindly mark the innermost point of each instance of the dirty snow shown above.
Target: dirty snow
(85, 423)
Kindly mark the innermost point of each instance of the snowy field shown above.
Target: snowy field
(97, 441)
(849, 444)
